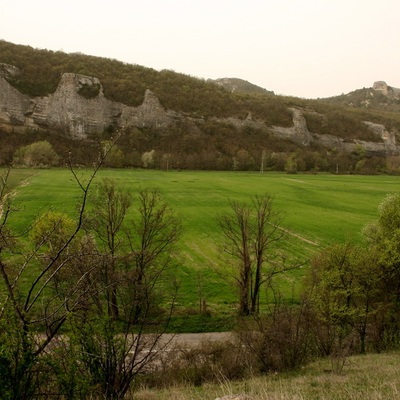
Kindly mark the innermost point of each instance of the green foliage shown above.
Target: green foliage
(20, 369)
(52, 229)
(344, 296)
(37, 154)
(341, 123)
(84, 154)
(130, 294)
(89, 91)
(384, 240)
(389, 213)
(69, 378)
(291, 165)
(115, 157)
(354, 289)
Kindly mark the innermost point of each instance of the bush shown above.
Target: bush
(208, 362)
(280, 340)
(37, 154)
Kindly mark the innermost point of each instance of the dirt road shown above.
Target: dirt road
(190, 340)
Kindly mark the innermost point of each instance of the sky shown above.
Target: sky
(302, 48)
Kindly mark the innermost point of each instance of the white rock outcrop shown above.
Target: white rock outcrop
(68, 111)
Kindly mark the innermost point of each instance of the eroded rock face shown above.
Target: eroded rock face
(298, 133)
(7, 70)
(12, 102)
(69, 111)
(382, 87)
(79, 108)
(388, 138)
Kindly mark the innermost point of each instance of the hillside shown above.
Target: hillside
(240, 85)
(172, 120)
(380, 96)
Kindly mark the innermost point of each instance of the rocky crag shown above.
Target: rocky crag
(69, 111)
(389, 91)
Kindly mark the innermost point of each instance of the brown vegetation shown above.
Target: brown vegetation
(208, 143)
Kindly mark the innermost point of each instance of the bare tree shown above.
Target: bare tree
(252, 233)
(152, 241)
(114, 351)
(110, 207)
(236, 230)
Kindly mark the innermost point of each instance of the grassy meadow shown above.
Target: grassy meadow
(364, 377)
(317, 210)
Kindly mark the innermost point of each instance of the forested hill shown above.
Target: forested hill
(177, 120)
(40, 72)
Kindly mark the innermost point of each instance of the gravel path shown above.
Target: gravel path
(191, 340)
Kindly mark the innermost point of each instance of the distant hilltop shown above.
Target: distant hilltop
(240, 85)
(389, 91)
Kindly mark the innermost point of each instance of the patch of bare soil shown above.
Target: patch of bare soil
(191, 340)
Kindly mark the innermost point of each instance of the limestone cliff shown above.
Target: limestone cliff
(300, 134)
(68, 111)
(78, 108)
(389, 91)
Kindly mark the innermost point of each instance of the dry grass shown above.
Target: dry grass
(372, 377)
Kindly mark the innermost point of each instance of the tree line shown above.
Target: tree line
(218, 149)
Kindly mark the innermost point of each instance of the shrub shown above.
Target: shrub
(280, 340)
(36, 155)
(208, 362)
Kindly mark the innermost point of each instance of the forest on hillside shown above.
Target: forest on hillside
(209, 142)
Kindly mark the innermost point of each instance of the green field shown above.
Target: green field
(317, 210)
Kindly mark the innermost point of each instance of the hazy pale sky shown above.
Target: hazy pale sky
(304, 48)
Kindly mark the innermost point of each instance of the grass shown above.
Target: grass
(364, 377)
(318, 210)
